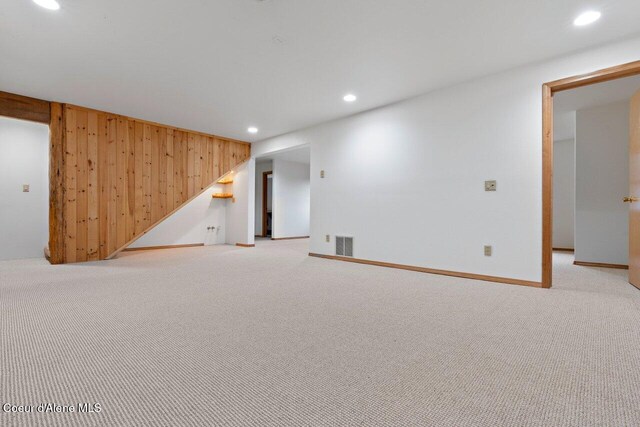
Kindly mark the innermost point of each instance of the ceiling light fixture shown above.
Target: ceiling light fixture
(48, 4)
(350, 97)
(587, 18)
(252, 129)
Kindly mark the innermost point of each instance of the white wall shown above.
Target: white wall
(291, 199)
(24, 217)
(406, 180)
(564, 193)
(241, 214)
(189, 224)
(261, 167)
(602, 181)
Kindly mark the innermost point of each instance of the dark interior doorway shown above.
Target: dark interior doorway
(267, 219)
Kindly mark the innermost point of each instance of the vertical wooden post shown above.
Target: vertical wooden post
(56, 184)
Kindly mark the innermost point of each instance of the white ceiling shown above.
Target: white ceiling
(566, 103)
(300, 155)
(220, 66)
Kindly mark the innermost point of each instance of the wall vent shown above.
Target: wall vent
(344, 246)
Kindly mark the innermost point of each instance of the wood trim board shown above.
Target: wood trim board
(432, 271)
(290, 238)
(601, 265)
(600, 76)
(245, 245)
(564, 250)
(153, 248)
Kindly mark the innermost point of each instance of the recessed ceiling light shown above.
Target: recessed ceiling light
(350, 97)
(48, 4)
(252, 129)
(587, 18)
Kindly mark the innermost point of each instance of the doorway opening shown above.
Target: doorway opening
(587, 120)
(24, 188)
(283, 194)
(267, 203)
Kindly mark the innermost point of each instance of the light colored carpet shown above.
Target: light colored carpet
(270, 337)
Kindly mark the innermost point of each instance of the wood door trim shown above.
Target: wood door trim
(601, 264)
(432, 271)
(600, 76)
(25, 108)
(548, 90)
(265, 179)
(634, 184)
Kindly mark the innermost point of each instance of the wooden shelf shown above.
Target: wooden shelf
(222, 196)
(225, 181)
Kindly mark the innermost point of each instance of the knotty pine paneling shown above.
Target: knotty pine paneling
(123, 176)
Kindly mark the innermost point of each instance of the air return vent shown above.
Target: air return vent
(344, 246)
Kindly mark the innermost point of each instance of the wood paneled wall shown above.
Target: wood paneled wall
(119, 177)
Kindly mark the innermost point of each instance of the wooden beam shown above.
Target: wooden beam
(56, 184)
(24, 108)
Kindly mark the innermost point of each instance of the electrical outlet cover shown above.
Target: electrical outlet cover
(490, 185)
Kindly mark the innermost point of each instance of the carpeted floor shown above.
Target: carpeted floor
(271, 337)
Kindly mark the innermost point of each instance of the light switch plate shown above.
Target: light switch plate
(490, 185)
(488, 250)
(25, 188)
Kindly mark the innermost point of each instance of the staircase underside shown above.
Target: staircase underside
(114, 178)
